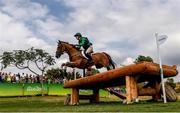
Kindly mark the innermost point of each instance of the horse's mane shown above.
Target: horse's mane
(66, 43)
(70, 44)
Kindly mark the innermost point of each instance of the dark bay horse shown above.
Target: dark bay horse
(79, 61)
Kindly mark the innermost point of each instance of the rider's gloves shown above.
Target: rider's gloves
(77, 46)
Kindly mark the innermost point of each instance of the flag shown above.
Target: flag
(161, 39)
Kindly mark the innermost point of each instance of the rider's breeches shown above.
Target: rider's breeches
(88, 52)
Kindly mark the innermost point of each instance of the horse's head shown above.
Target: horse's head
(60, 49)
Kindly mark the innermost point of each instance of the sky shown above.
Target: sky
(122, 28)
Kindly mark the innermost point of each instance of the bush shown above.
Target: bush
(143, 58)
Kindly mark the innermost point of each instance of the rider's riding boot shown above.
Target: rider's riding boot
(90, 60)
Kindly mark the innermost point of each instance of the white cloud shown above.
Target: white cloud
(121, 28)
(38, 43)
(50, 28)
(128, 61)
(12, 33)
(24, 10)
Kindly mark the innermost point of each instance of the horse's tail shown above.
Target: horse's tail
(112, 63)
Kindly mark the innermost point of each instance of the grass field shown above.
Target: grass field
(55, 104)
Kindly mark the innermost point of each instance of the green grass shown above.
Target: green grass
(55, 103)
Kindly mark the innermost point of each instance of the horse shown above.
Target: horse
(79, 61)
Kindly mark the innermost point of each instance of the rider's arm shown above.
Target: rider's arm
(82, 42)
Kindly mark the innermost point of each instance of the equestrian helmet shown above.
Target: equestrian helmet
(78, 34)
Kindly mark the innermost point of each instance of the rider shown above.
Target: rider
(84, 42)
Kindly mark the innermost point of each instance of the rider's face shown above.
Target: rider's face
(77, 37)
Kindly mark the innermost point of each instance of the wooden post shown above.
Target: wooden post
(134, 91)
(128, 89)
(95, 98)
(157, 87)
(75, 96)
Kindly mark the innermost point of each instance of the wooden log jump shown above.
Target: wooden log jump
(128, 75)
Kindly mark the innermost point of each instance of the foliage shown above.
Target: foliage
(170, 81)
(53, 73)
(95, 71)
(23, 59)
(57, 73)
(143, 58)
(71, 75)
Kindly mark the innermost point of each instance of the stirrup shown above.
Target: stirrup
(90, 62)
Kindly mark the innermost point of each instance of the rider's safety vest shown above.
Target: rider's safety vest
(84, 42)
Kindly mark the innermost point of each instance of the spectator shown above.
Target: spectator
(13, 78)
(9, 77)
(38, 79)
(26, 78)
(1, 80)
(30, 79)
(3, 76)
(18, 78)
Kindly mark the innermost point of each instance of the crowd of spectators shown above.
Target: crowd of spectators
(8, 77)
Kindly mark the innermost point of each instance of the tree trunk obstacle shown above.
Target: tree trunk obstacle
(129, 76)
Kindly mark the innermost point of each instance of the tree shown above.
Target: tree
(143, 58)
(26, 59)
(54, 73)
(70, 75)
(57, 73)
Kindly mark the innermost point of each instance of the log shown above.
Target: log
(95, 96)
(153, 69)
(147, 91)
(157, 87)
(144, 68)
(134, 91)
(128, 89)
(112, 91)
(75, 96)
(170, 93)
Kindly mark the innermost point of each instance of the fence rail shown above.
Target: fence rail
(31, 89)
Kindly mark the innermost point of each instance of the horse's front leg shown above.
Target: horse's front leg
(70, 64)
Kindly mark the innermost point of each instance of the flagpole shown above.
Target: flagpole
(161, 69)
